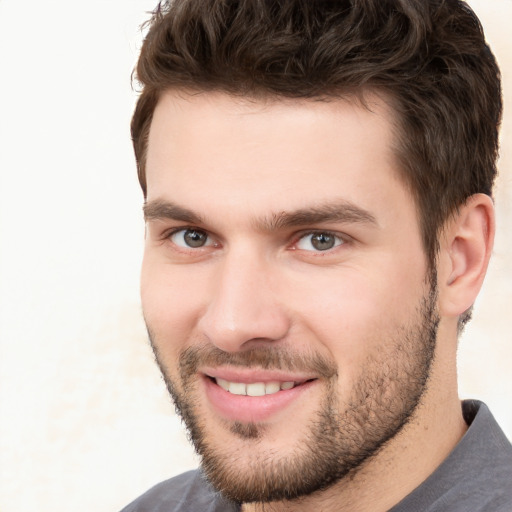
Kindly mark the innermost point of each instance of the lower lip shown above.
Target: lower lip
(252, 409)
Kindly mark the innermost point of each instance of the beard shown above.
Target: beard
(339, 438)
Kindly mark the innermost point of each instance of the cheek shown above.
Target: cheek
(353, 311)
(171, 301)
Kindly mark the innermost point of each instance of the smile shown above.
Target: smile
(254, 395)
(255, 388)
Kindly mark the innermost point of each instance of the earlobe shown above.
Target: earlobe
(467, 245)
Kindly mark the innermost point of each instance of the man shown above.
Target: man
(317, 180)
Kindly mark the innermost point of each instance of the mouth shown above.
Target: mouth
(256, 388)
(255, 396)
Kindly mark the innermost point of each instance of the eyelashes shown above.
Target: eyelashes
(319, 241)
(191, 238)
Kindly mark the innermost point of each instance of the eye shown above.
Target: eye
(319, 241)
(190, 238)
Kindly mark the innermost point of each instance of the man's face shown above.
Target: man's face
(284, 287)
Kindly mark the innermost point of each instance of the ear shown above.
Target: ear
(466, 247)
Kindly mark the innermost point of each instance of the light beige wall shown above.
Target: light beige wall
(485, 354)
(85, 423)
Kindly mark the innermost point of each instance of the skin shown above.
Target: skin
(231, 169)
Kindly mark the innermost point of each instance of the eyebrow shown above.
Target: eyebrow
(337, 211)
(160, 210)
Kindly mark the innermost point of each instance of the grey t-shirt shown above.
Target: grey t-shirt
(476, 477)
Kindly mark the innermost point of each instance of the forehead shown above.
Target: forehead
(211, 149)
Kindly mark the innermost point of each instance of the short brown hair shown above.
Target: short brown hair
(429, 58)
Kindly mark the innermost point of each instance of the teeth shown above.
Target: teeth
(224, 384)
(272, 387)
(255, 388)
(237, 388)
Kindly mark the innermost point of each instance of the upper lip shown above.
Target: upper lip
(251, 375)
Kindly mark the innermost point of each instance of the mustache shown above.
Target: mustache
(268, 358)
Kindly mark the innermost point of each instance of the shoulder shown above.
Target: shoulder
(187, 492)
(487, 460)
(476, 476)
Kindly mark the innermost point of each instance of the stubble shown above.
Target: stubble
(338, 439)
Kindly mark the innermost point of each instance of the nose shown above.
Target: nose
(244, 309)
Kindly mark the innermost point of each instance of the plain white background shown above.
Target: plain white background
(85, 422)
